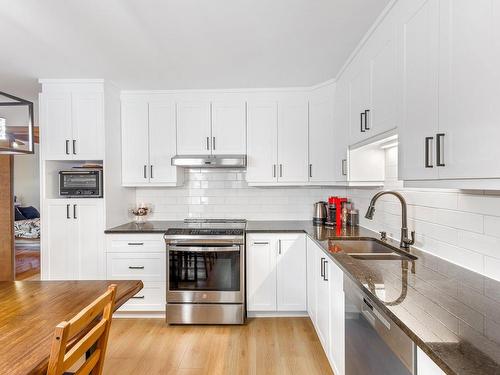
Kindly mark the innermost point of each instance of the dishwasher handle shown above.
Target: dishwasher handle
(372, 314)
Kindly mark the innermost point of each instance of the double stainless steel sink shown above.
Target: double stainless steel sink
(371, 249)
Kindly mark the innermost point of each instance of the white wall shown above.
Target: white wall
(220, 193)
(460, 226)
(27, 178)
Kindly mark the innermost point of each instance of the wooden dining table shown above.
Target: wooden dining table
(30, 311)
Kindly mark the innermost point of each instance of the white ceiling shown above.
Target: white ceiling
(175, 44)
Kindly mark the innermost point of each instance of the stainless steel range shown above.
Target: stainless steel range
(206, 272)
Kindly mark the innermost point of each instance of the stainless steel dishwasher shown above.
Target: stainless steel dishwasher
(373, 343)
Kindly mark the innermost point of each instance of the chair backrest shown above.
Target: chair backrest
(84, 333)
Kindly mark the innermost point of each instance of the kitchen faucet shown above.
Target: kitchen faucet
(405, 241)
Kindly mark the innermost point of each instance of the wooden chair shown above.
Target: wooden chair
(82, 336)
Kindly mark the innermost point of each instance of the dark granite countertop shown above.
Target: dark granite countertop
(451, 313)
(147, 227)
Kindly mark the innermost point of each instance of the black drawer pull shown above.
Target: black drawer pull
(137, 297)
(261, 243)
(136, 243)
(440, 150)
(136, 267)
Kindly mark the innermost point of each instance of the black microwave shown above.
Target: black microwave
(80, 183)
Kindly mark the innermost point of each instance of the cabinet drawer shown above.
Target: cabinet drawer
(135, 243)
(150, 298)
(136, 266)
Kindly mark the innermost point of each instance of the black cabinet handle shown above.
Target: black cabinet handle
(281, 170)
(74, 147)
(362, 120)
(274, 170)
(261, 243)
(67, 146)
(213, 143)
(67, 212)
(208, 143)
(322, 268)
(367, 120)
(145, 171)
(428, 150)
(440, 150)
(74, 211)
(135, 243)
(137, 297)
(325, 274)
(136, 267)
(344, 167)
(310, 170)
(151, 171)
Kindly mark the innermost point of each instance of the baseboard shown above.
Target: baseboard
(139, 315)
(277, 314)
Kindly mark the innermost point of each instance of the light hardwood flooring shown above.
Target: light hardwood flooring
(264, 346)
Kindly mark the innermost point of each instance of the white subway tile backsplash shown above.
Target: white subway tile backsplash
(225, 194)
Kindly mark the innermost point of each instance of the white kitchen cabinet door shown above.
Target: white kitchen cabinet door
(262, 142)
(341, 131)
(193, 128)
(383, 87)
(469, 83)
(261, 273)
(88, 126)
(426, 366)
(135, 146)
(162, 143)
(337, 315)
(55, 123)
(418, 54)
(88, 241)
(324, 295)
(312, 279)
(229, 128)
(293, 141)
(292, 273)
(58, 233)
(359, 99)
(322, 139)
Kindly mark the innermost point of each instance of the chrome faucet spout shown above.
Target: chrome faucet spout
(405, 242)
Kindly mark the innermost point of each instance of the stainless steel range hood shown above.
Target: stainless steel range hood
(210, 161)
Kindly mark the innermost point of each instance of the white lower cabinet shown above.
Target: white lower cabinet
(326, 304)
(276, 272)
(139, 257)
(73, 239)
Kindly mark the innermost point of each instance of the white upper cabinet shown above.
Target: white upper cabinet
(382, 115)
(229, 128)
(148, 144)
(162, 144)
(262, 138)
(217, 128)
(72, 124)
(359, 98)
(55, 122)
(323, 142)
(193, 128)
(135, 143)
(469, 83)
(418, 50)
(292, 141)
(341, 131)
(88, 125)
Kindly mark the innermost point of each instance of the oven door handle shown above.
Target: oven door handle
(204, 249)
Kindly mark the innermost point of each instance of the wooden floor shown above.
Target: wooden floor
(27, 258)
(265, 346)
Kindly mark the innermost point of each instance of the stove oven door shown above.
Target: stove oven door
(205, 273)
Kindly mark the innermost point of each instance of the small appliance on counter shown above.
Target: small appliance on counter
(320, 212)
(81, 182)
(334, 211)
